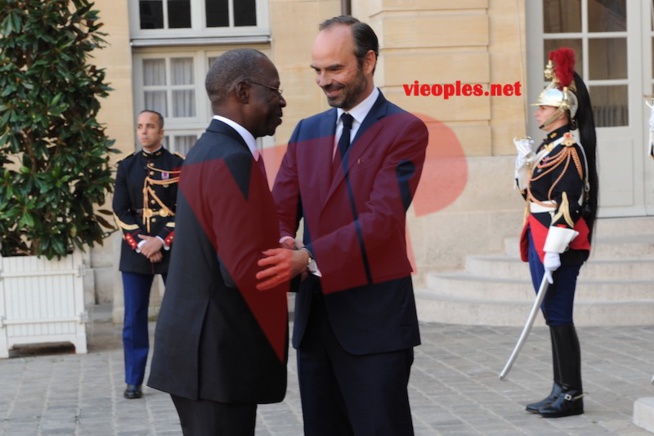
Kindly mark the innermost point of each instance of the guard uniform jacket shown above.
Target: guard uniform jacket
(144, 203)
(556, 194)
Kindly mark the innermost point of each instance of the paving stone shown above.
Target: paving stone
(454, 386)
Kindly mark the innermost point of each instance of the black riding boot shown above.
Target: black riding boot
(556, 387)
(570, 401)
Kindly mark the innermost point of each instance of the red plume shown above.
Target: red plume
(564, 65)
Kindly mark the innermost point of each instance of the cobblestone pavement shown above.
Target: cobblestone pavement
(454, 388)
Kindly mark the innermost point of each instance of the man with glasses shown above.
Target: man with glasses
(221, 345)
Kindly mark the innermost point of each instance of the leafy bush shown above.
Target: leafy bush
(54, 155)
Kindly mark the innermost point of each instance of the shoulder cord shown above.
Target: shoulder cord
(148, 191)
(564, 157)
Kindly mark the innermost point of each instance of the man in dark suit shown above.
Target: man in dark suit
(144, 209)
(355, 315)
(220, 344)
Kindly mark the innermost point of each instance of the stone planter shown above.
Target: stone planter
(42, 301)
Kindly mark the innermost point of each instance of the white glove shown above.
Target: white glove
(551, 262)
(524, 147)
(525, 157)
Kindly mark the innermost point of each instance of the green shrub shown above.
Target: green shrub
(54, 155)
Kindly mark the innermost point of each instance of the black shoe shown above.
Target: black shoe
(534, 407)
(569, 403)
(132, 392)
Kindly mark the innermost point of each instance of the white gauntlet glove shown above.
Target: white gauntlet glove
(551, 262)
(557, 241)
(523, 161)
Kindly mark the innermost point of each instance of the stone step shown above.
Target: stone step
(503, 266)
(434, 307)
(614, 287)
(611, 247)
(604, 247)
(488, 288)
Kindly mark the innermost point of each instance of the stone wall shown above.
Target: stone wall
(429, 41)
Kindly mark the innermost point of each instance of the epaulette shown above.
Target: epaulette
(125, 158)
(178, 154)
(568, 139)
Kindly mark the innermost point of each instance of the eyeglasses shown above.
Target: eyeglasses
(277, 90)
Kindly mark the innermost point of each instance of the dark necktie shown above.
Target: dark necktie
(344, 140)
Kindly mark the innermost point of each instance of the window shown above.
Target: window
(172, 83)
(169, 83)
(180, 142)
(597, 31)
(185, 22)
(173, 43)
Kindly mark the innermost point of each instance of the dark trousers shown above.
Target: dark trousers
(211, 418)
(558, 304)
(345, 394)
(136, 292)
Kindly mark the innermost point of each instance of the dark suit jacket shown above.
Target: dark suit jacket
(214, 341)
(354, 224)
(128, 206)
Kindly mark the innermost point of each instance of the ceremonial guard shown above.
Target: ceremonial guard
(144, 203)
(559, 182)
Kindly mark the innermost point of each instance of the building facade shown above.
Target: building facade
(469, 68)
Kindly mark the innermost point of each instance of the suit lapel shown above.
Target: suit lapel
(325, 151)
(357, 147)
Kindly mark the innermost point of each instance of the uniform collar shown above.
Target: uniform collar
(556, 134)
(158, 152)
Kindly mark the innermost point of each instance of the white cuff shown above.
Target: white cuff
(165, 246)
(558, 239)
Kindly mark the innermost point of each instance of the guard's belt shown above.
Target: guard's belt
(544, 206)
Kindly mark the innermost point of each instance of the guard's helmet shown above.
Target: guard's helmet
(560, 92)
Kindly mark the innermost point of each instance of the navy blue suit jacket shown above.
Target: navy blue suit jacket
(354, 224)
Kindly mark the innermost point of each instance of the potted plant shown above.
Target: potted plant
(55, 170)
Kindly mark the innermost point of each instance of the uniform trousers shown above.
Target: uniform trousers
(136, 345)
(558, 304)
(345, 394)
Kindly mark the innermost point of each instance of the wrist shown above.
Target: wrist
(309, 258)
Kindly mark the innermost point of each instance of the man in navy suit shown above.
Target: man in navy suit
(355, 316)
(220, 344)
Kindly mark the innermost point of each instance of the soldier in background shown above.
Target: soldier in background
(144, 203)
(559, 181)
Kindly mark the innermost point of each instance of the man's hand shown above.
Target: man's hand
(280, 265)
(156, 257)
(152, 246)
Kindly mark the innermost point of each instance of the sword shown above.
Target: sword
(526, 329)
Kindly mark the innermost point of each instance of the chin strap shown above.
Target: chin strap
(555, 116)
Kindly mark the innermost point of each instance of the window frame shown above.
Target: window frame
(184, 126)
(199, 33)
